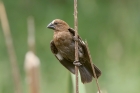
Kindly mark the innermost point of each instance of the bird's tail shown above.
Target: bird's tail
(86, 76)
(87, 73)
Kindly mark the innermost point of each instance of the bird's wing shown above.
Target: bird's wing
(81, 43)
(66, 63)
(86, 55)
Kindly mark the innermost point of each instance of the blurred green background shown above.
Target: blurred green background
(111, 27)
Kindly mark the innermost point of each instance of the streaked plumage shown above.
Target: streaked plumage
(63, 47)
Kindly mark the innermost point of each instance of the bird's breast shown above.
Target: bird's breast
(62, 39)
(65, 44)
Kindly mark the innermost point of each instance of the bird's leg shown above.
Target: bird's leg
(77, 63)
(75, 39)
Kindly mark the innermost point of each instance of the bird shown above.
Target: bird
(63, 47)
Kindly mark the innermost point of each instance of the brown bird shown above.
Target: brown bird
(63, 47)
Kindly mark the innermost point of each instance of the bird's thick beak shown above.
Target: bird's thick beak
(51, 26)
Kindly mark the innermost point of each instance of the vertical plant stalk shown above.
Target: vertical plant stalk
(32, 64)
(93, 69)
(10, 48)
(31, 33)
(76, 44)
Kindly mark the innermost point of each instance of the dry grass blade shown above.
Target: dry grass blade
(10, 48)
(93, 68)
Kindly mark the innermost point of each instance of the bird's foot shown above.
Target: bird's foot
(75, 39)
(77, 63)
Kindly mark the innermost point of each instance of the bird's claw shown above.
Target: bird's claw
(77, 63)
(75, 39)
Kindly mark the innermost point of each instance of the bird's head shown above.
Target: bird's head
(58, 25)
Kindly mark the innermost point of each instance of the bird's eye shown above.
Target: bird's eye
(55, 23)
